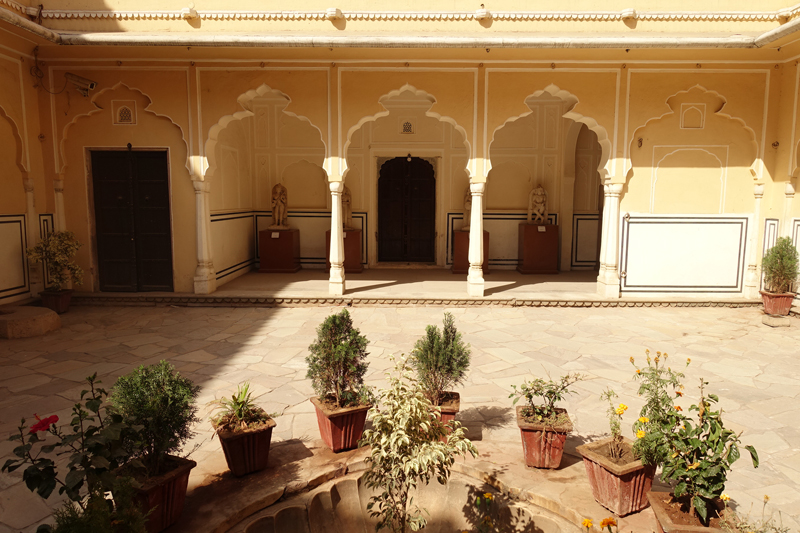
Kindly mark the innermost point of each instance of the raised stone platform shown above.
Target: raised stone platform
(24, 322)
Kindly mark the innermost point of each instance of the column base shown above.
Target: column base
(475, 283)
(336, 280)
(751, 284)
(205, 279)
(608, 285)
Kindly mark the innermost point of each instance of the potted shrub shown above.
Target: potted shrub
(336, 367)
(780, 274)
(245, 431)
(703, 451)
(619, 481)
(163, 404)
(56, 251)
(544, 427)
(441, 360)
(409, 445)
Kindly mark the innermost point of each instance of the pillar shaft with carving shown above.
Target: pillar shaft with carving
(608, 278)
(752, 281)
(475, 283)
(34, 268)
(336, 280)
(205, 281)
(786, 230)
(59, 218)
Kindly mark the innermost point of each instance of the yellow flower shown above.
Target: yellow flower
(656, 359)
(688, 360)
(608, 522)
(693, 466)
(766, 498)
(638, 371)
(674, 455)
(678, 408)
(619, 411)
(487, 520)
(488, 496)
(631, 359)
(678, 394)
(587, 523)
(724, 497)
(640, 434)
(644, 419)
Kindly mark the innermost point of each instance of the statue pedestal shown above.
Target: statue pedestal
(461, 252)
(279, 250)
(352, 251)
(538, 249)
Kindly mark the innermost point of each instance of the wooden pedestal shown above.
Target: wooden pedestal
(461, 252)
(279, 250)
(352, 251)
(538, 249)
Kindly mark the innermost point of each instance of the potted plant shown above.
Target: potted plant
(336, 367)
(441, 360)
(544, 427)
(703, 451)
(780, 274)
(619, 481)
(56, 251)
(406, 451)
(162, 403)
(245, 431)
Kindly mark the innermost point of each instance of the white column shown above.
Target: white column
(603, 233)
(786, 230)
(336, 281)
(752, 281)
(205, 277)
(565, 213)
(608, 279)
(34, 268)
(59, 218)
(475, 284)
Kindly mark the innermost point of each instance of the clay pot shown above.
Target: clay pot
(542, 445)
(247, 451)
(622, 489)
(665, 523)
(777, 304)
(58, 301)
(163, 496)
(341, 428)
(449, 408)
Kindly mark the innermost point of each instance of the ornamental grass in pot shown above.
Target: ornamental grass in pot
(336, 368)
(544, 427)
(162, 403)
(55, 252)
(245, 431)
(441, 361)
(780, 265)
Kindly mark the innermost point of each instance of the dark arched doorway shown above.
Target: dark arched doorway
(407, 211)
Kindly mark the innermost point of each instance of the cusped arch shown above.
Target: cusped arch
(571, 101)
(96, 100)
(246, 101)
(428, 113)
(19, 156)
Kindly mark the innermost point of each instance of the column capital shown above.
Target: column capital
(477, 188)
(613, 189)
(789, 189)
(201, 186)
(758, 190)
(28, 184)
(336, 187)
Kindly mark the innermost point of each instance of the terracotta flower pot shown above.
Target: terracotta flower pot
(341, 429)
(659, 502)
(622, 489)
(58, 301)
(165, 495)
(449, 408)
(542, 445)
(247, 451)
(777, 304)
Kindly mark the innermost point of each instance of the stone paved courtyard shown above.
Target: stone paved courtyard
(753, 368)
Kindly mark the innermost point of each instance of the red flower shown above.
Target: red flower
(43, 424)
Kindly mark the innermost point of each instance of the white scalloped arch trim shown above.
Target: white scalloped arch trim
(18, 142)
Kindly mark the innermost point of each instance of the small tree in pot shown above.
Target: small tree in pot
(245, 431)
(780, 265)
(55, 252)
(544, 427)
(441, 360)
(336, 368)
(163, 403)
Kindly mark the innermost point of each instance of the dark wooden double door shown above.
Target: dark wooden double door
(132, 220)
(407, 211)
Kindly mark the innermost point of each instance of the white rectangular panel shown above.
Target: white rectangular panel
(13, 243)
(233, 244)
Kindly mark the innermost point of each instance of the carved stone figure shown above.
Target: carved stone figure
(347, 209)
(279, 209)
(537, 206)
(467, 210)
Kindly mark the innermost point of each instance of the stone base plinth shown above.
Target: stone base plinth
(279, 250)
(24, 322)
(538, 249)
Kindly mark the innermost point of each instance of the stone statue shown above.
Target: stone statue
(347, 208)
(467, 210)
(279, 209)
(537, 206)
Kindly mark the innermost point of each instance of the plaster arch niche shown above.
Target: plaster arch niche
(408, 127)
(12, 169)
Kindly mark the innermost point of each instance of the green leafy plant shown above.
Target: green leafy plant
(441, 359)
(614, 421)
(163, 404)
(100, 514)
(702, 455)
(780, 265)
(656, 423)
(550, 391)
(409, 445)
(56, 251)
(735, 522)
(336, 362)
(239, 412)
